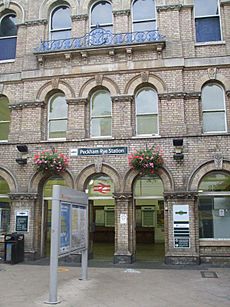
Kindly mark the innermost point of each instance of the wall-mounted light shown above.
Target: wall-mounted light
(23, 150)
(178, 150)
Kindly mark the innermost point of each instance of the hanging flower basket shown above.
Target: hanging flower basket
(50, 161)
(146, 161)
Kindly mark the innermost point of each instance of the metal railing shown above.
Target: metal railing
(100, 37)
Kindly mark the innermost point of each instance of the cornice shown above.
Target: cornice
(180, 95)
(23, 196)
(80, 17)
(26, 104)
(180, 195)
(77, 101)
(35, 22)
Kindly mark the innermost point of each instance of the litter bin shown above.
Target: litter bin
(14, 248)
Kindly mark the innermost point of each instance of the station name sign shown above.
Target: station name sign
(98, 151)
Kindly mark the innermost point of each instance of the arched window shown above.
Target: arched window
(101, 15)
(101, 114)
(214, 206)
(213, 108)
(57, 116)
(8, 37)
(4, 207)
(4, 118)
(61, 23)
(146, 101)
(144, 15)
(207, 20)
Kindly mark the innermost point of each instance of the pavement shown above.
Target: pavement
(143, 285)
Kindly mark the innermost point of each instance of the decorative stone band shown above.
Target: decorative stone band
(175, 7)
(80, 17)
(122, 98)
(180, 95)
(22, 196)
(35, 22)
(180, 195)
(121, 13)
(26, 104)
(122, 196)
(77, 101)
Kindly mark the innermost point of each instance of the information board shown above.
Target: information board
(22, 221)
(181, 226)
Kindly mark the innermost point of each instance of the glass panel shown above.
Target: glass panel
(148, 186)
(147, 124)
(101, 13)
(8, 26)
(101, 103)
(204, 9)
(101, 127)
(48, 187)
(4, 109)
(57, 128)
(61, 18)
(58, 107)
(101, 185)
(212, 97)
(4, 187)
(146, 102)
(214, 217)
(143, 9)
(144, 26)
(4, 131)
(214, 121)
(4, 218)
(215, 182)
(65, 34)
(8, 48)
(208, 29)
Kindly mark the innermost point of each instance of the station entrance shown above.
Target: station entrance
(101, 217)
(149, 208)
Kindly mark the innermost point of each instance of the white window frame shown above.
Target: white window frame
(55, 119)
(143, 20)
(145, 114)
(103, 25)
(50, 22)
(104, 116)
(209, 16)
(6, 37)
(214, 111)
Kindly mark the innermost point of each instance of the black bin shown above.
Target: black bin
(14, 248)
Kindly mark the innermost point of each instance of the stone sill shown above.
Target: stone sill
(203, 44)
(214, 242)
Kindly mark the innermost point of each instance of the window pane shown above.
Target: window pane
(214, 121)
(214, 217)
(4, 188)
(148, 186)
(4, 109)
(101, 127)
(144, 26)
(57, 128)
(208, 29)
(146, 102)
(8, 48)
(101, 13)
(212, 97)
(8, 27)
(4, 131)
(215, 182)
(101, 104)
(61, 18)
(60, 35)
(202, 8)
(143, 9)
(58, 107)
(147, 124)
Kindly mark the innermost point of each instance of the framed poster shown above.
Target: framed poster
(22, 221)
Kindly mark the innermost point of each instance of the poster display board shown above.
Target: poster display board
(181, 226)
(69, 231)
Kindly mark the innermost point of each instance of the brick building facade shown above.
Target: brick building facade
(107, 74)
